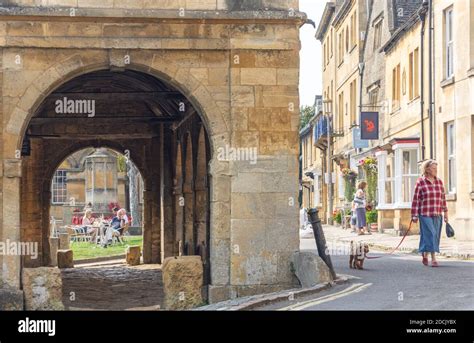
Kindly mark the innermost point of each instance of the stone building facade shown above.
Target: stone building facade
(396, 83)
(175, 83)
(454, 108)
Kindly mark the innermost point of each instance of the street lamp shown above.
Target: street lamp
(327, 104)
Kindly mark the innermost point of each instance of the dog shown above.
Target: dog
(358, 254)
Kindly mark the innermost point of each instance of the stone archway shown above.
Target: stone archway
(153, 157)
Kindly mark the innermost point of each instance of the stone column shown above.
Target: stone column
(152, 206)
(11, 221)
(169, 248)
(34, 207)
(220, 247)
(147, 199)
(188, 193)
(53, 248)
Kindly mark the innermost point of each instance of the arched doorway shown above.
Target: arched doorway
(142, 117)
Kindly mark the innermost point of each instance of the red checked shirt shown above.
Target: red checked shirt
(429, 199)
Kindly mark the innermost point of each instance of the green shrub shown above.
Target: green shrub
(371, 217)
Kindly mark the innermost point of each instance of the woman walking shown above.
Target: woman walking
(361, 203)
(428, 207)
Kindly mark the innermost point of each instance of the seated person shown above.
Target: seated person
(115, 223)
(122, 215)
(87, 225)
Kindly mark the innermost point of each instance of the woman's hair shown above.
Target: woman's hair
(87, 212)
(426, 164)
(362, 185)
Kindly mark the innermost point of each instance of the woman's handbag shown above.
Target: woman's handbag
(449, 230)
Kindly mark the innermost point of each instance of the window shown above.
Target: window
(378, 34)
(354, 29)
(373, 98)
(451, 154)
(398, 173)
(416, 72)
(413, 78)
(326, 49)
(347, 38)
(59, 187)
(409, 174)
(353, 105)
(340, 187)
(341, 111)
(396, 88)
(340, 56)
(324, 56)
(331, 41)
(389, 180)
(449, 42)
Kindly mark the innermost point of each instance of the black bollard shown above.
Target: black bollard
(320, 239)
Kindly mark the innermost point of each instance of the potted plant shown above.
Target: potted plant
(372, 218)
(337, 216)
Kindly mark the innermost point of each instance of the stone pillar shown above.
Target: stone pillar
(169, 248)
(147, 228)
(53, 248)
(46, 227)
(152, 206)
(11, 264)
(34, 227)
(178, 201)
(64, 240)
(202, 205)
(220, 247)
(188, 193)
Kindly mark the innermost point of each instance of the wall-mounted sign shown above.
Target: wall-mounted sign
(369, 122)
(357, 141)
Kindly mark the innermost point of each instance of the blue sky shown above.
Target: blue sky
(310, 75)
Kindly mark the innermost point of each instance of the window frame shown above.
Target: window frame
(451, 157)
(63, 187)
(449, 42)
(396, 88)
(378, 33)
(397, 178)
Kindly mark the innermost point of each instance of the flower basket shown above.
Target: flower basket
(369, 165)
(350, 177)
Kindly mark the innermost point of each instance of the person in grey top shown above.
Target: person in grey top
(361, 203)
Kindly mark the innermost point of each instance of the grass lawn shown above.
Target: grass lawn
(85, 250)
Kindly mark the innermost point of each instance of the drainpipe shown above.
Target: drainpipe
(422, 14)
(430, 53)
(361, 89)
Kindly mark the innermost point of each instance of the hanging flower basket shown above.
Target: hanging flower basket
(369, 164)
(350, 177)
